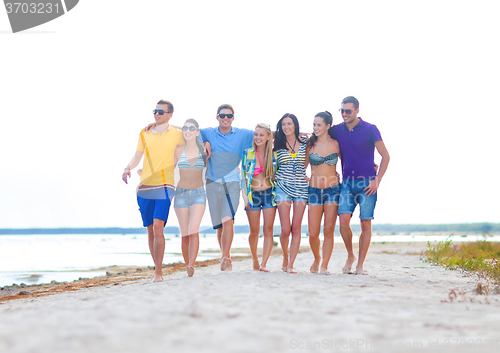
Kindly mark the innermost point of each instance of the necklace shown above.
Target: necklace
(292, 148)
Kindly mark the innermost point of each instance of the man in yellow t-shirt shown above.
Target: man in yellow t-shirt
(156, 188)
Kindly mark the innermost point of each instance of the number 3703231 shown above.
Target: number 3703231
(24, 7)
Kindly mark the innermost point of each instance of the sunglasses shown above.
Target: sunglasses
(160, 111)
(347, 111)
(223, 116)
(190, 128)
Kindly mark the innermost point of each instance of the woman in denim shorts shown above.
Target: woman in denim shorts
(190, 197)
(291, 186)
(324, 189)
(258, 167)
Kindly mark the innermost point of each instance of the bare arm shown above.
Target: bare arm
(208, 148)
(384, 163)
(308, 152)
(136, 159)
(303, 135)
(177, 154)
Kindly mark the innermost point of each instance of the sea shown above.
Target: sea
(35, 259)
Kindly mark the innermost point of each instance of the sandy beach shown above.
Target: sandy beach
(405, 304)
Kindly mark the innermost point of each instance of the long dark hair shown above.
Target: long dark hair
(280, 139)
(198, 143)
(328, 119)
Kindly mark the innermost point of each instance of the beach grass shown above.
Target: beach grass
(482, 257)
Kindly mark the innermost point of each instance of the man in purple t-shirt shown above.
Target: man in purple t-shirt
(360, 180)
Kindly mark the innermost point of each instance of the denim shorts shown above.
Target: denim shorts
(281, 196)
(352, 194)
(261, 200)
(318, 197)
(154, 204)
(185, 198)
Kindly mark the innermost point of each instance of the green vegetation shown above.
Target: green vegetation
(480, 257)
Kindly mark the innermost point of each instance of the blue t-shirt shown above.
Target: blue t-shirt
(357, 149)
(227, 151)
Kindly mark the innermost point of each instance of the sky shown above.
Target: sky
(76, 91)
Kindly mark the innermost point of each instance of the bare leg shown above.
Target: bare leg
(185, 249)
(298, 212)
(253, 238)
(314, 221)
(196, 214)
(284, 214)
(219, 237)
(331, 210)
(226, 241)
(364, 244)
(158, 248)
(194, 245)
(269, 215)
(151, 241)
(346, 233)
(183, 218)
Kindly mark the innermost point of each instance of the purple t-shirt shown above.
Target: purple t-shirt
(357, 149)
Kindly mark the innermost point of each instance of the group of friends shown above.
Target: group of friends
(269, 168)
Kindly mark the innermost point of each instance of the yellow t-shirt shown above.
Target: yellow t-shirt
(161, 149)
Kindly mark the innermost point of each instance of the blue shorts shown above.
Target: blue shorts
(261, 200)
(352, 193)
(154, 204)
(318, 197)
(282, 196)
(185, 198)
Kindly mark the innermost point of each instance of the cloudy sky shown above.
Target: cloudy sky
(76, 91)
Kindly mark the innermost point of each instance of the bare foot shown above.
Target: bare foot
(226, 264)
(315, 266)
(256, 265)
(360, 271)
(290, 270)
(348, 265)
(190, 271)
(223, 264)
(263, 269)
(157, 278)
(285, 263)
(323, 271)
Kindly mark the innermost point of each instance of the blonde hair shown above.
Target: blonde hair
(268, 157)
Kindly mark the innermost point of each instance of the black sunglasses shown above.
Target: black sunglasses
(159, 111)
(190, 128)
(347, 111)
(223, 116)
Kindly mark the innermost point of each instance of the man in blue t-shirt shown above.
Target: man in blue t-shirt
(358, 140)
(223, 178)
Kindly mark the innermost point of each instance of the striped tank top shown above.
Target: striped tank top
(291, 174)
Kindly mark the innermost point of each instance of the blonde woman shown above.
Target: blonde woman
(190, 197)
(258, 167)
